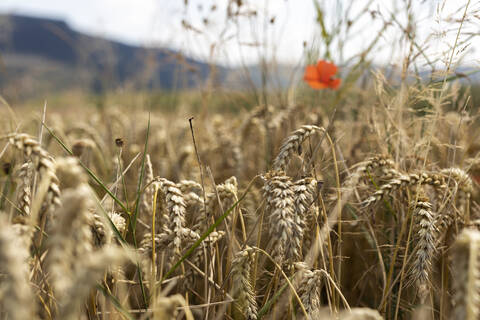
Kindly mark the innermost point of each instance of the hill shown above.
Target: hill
(39, 55)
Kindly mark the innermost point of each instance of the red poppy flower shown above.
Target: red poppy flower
(321, 75)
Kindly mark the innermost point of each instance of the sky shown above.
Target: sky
(159, 22)
(278, 31)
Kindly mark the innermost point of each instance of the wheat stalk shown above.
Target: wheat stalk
(403, 181)
(145, 206)
(16, 295)
(463, 189)
(293, 144)
(216, 202)
(280, 207)
(176, 209)
(227, 193)
(102, 235)
(74, 266)
(310, 286)
(190, 237)
(24, 193)
(466, 271)
(242, 288)
(94, 266)
(304, 190)
(168, 307)
(426, 235)
(43, 163)
(461, 178)
(70, 238)
(164, 242)
(368, 166)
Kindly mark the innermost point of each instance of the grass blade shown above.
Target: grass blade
(270, 302)
(115, 302)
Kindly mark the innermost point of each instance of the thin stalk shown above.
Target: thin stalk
(153, 269)
(405, 256)
(286, 279)
(330, 256)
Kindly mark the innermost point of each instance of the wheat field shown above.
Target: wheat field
(359, 202)
(280, 212)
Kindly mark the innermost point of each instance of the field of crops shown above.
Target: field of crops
(279, 212)
(350, 194)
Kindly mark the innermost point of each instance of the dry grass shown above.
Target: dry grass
(237, 245)
(357, 204)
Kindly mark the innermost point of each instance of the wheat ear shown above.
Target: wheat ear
(466, 275)
(93, 268)
(191, 191)
(43, 163)
(304, 190)
(24, 193)
(242, 287)
(280, 207)
(310, 287)
(73, 264)
(461, 178)
(227, 192)
(16, 295)
(463, 188)
(190, 237)
(293, 144)
(70, 238)
(403, 181)
(176, 209)
(369, 166)
(146, 200)
(187, 186)
(426, 234)
(102, 235)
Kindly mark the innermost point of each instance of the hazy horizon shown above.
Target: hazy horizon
(176, 26)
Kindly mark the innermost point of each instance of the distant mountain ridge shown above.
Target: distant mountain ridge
(100, 64)
(40, 57)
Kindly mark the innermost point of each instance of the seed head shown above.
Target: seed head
(119, 142)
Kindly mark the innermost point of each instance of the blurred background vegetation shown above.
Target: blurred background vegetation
(232, 55)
